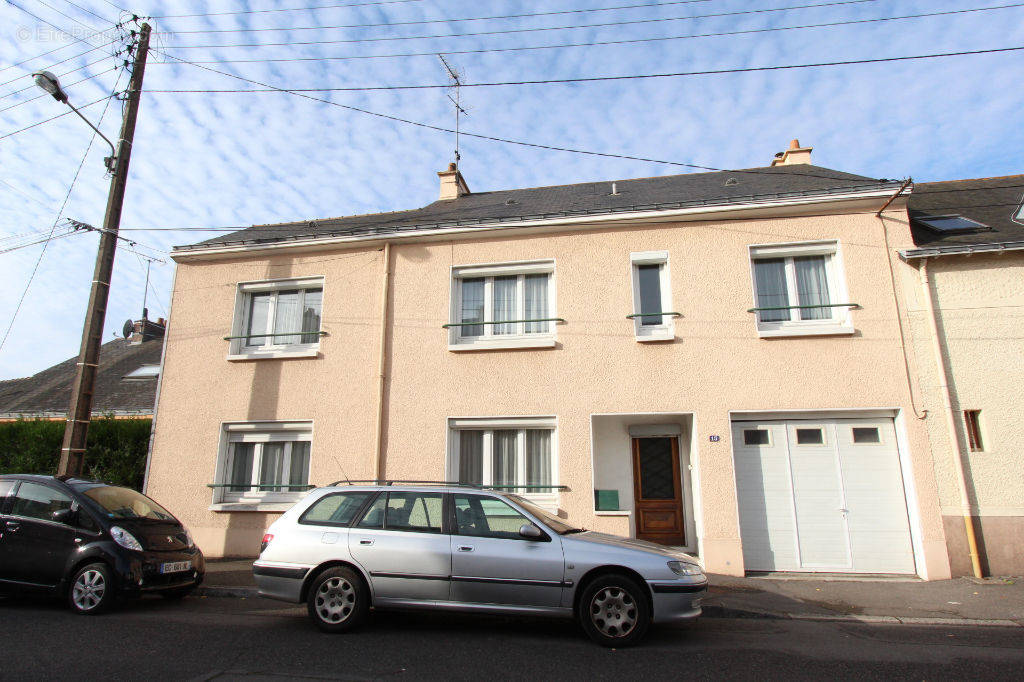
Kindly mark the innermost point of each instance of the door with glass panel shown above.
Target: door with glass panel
(657, 491)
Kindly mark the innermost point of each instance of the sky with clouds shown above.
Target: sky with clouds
(227, 159)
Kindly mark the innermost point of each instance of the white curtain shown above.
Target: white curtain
(504, 304)
(537, 303)
(299, 473)
(538, 458)
(812, 287)
(241, 466)
(472, 307)
(259, 310)
(312, 301)
(288, 317)
(770, 280)
(471, 461)
(272, 466)
(503, 465)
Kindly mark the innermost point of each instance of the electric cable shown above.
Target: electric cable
(67, 16)
(67, 197)
(46, 94)
(284, 9)
(53, 118)
(593, 79)
(47, 68)
(716, 34)
(89, 11)
(454, 20)
(519, 30)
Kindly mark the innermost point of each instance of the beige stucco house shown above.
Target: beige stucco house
(718, 361)
(966, 297)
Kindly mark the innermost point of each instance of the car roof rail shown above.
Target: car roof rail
(399, 481)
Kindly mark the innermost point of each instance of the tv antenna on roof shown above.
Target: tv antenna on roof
(456, 82)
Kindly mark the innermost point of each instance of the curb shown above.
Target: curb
(711, 611)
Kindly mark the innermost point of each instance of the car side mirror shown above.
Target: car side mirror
(64, 516)
(530, 531)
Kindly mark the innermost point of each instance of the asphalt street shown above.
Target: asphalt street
(229, 639)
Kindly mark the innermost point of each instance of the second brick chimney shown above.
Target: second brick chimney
(453, 185)
(794, 155)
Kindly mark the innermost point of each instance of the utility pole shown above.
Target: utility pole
(72, 451)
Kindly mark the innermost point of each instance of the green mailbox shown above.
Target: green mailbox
(606, 500)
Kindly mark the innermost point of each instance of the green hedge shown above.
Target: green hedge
(115, 452)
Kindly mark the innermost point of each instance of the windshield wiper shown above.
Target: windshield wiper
(574, 530)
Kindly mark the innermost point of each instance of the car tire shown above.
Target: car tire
(614, 611)
(338, 600)
(92, 589)
(177, 593)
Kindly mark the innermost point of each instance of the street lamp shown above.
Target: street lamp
(48, 82)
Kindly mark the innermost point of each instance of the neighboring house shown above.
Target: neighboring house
(713, 361)
(125, 381)
(969, 255)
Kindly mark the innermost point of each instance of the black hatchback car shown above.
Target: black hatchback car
(91, 542)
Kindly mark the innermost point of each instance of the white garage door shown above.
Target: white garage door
(821, 496)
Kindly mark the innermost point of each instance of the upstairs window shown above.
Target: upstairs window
(503, 306)
(653, 317)
(798, 290)
(277, 318)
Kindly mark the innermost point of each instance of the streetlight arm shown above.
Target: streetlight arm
(113, 150)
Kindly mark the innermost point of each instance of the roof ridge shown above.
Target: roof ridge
(993, 177)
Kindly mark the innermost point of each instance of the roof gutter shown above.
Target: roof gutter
(961, 250)
(691, 213)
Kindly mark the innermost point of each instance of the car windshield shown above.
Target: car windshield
(551, 521)
(124, 503)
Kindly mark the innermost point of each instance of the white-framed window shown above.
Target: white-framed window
(653, 317)
(277, 318)
(799, 289)
(264, 463)
(510, 451)
(507, 305)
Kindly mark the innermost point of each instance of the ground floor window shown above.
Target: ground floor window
(264, 462)
(516, 454)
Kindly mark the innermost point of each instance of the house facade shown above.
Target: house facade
(716, 361)
(965, 294)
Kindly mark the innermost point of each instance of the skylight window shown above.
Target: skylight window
(144, 372)
(950, 224)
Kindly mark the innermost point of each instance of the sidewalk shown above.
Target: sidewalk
(961, 601)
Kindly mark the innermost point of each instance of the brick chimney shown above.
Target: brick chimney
(794, 155)
(453, 185)
(146, 330)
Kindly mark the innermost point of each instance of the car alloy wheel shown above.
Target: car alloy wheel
(335, 600)
(613, 612)
(338, 599)
(92, 589)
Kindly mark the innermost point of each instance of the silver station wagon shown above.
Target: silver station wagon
(346, 548)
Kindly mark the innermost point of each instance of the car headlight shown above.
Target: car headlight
(125, 539)
(189, 542)
(685, 568)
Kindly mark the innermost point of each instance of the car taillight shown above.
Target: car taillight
(266, 541)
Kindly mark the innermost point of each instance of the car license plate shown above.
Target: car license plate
(175, 566)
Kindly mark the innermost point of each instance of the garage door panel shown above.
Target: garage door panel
(834, 501)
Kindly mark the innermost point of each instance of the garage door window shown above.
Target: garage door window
(810, 437)
(863, 434)
(756, 437)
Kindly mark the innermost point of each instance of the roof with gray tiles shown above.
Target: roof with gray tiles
(48, 392)
(993, 202)
(510, 206)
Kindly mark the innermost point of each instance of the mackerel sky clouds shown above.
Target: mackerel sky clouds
(208, 159)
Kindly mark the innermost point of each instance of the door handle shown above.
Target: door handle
(465, 548)
(364, 541)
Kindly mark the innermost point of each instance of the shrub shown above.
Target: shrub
(115, 451)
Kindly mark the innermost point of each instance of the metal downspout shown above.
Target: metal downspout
(947, 404)
(378, 467)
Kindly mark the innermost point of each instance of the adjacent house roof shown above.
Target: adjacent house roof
(48, 393)
(995, 203)
(508, 206)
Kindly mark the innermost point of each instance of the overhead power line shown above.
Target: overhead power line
(593, 79)
(85, 39)
(521, 30)
(450, 21)
(50, 66)
(61, 75)
(53, 118)
(282, 9)
(89, 11)
(33, 99)
(433, 53)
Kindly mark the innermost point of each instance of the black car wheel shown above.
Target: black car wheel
(92, 589)
(338, 600)
(613, 610)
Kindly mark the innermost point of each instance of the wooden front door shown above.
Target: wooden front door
(657, 491)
